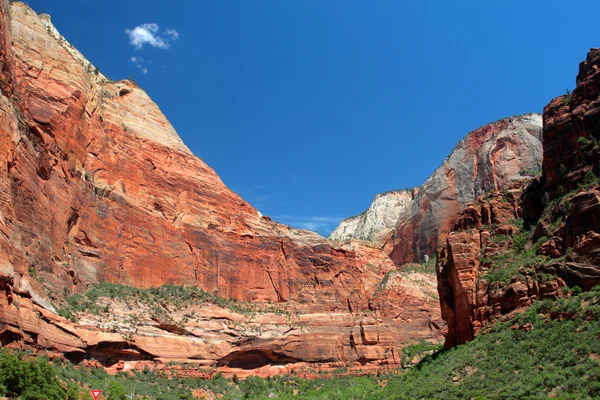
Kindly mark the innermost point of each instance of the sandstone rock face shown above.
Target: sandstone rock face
(240, 339)
(486, 159)
(379, 219)
(96, 186)
(470, 297)
(562, 250)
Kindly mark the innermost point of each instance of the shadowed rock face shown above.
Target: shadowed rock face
(572, 130)
(96, 186)
(410, 224)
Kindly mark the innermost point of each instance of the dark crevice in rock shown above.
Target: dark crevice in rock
(255, 358)
(110, 353)
(72, 220)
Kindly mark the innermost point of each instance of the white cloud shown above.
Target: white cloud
(172, 33)
(139, 62)
(147, 34)
(261, 198)
(320, 224)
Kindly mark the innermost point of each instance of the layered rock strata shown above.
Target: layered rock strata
(96, 186)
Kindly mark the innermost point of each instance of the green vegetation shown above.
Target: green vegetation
(589, 141)
(518, 260)
(567, 98)
(32, 272)
(420, 350)
(28, 379)
(589, 179)
(385, 280)
(531, 171)
(155, 299)
(563, 171)
(557, 357)
(550, 350)
(427, 267)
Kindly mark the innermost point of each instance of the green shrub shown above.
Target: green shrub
(421, 348)
(154, 299)
(567, 97)
(116, 391)
(28, 379)
(563, 171)
(551, 360)
(589, 178)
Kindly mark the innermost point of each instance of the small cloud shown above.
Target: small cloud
(261, 198)
(313, 226)
(147, 34)
(172, 33)
(255, 194)
(323, 225)
(139, 62)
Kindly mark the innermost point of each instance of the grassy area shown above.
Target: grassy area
(551, 350)
(418, 350)
(154, 299)
(557, 357)
(425, 268)
(518, 260)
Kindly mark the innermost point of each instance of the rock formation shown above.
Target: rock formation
(96, 186)
(537, 239)
(382, 216)
(409, 224)
(572, 130)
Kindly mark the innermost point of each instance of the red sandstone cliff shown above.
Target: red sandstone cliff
(410, 224)
(96, 186)
(491, 265)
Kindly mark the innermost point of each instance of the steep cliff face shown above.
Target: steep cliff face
(382, 216)
(486, 159)
(535, 241)
(572, 131)
(96, 186)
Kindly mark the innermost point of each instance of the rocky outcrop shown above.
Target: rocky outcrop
(572, 131)
(489, 268)
(96, 186)
(486, 159)
(477, 283)
(510, 249)
(463, 293)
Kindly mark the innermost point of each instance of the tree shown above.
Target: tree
(116, 391)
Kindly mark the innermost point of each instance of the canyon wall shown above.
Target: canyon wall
(96, 186)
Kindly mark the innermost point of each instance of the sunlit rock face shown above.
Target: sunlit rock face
(96, 186)
(409, 224)
(379, 220)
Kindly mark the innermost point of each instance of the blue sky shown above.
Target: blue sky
(308, 108)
